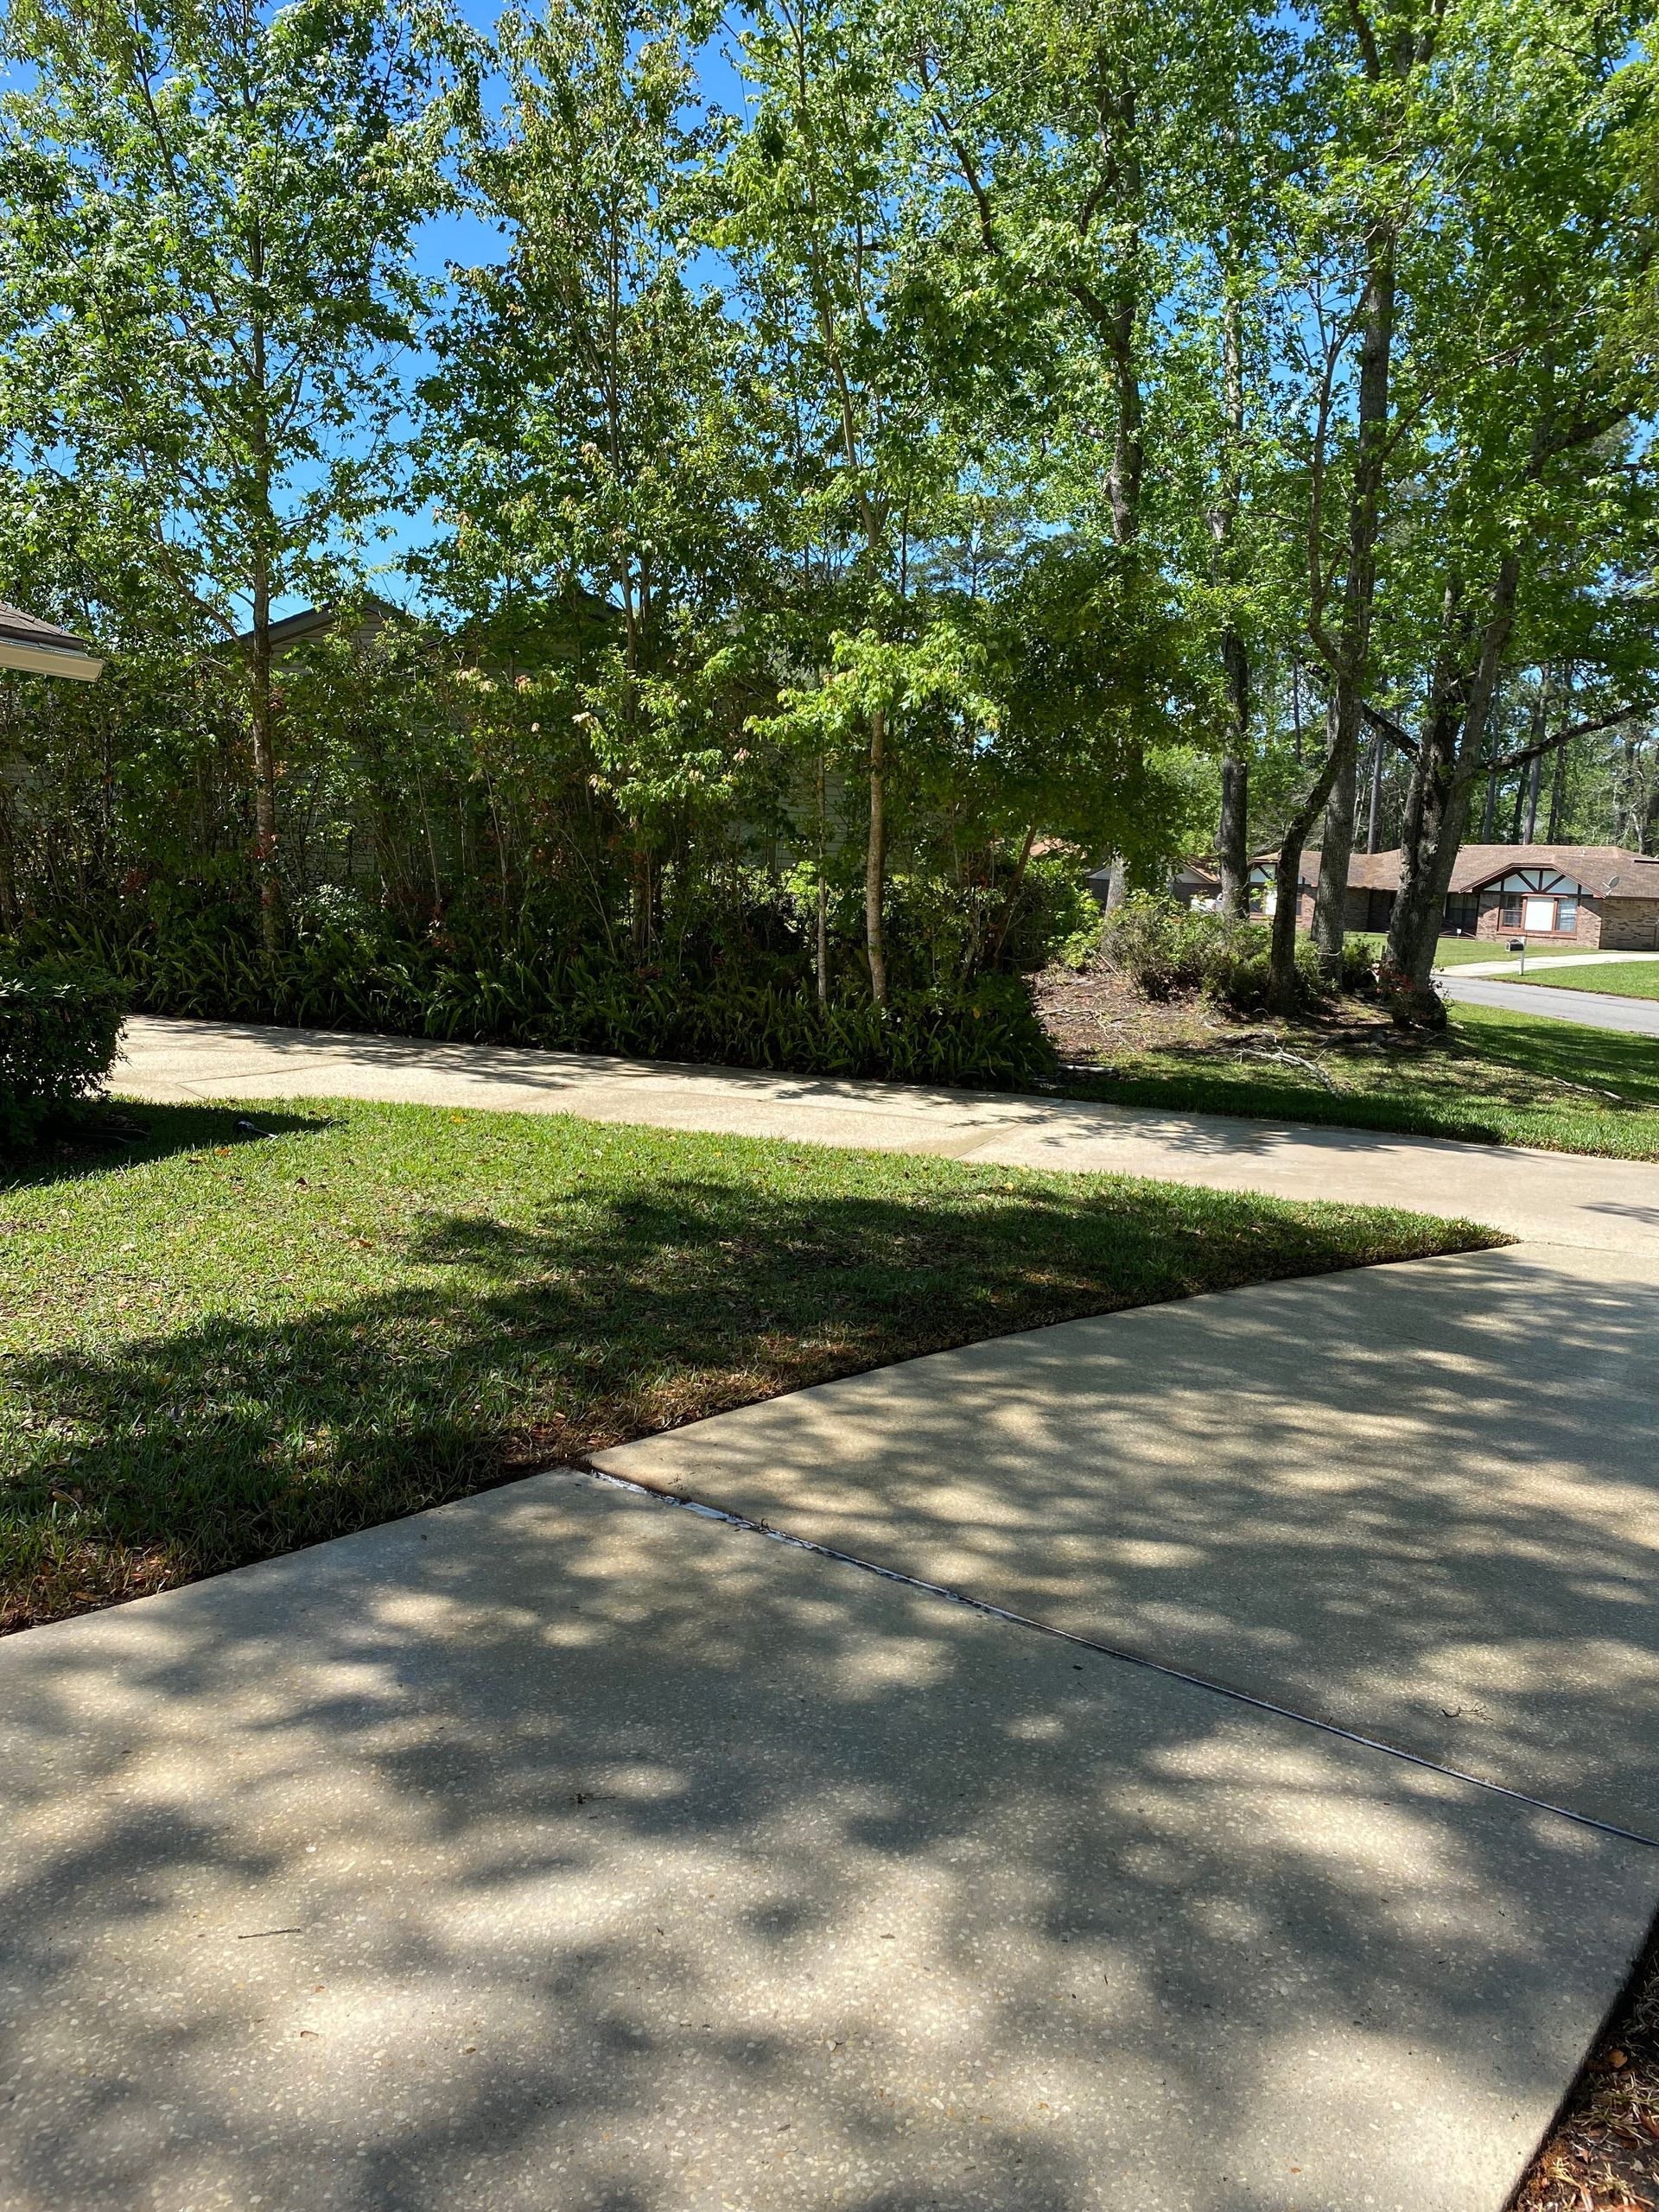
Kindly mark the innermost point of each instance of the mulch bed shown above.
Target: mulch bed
(1604, 2154)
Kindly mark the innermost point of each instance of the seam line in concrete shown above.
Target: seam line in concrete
(1122, 1652)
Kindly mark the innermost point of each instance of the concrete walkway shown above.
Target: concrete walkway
(1606, 1204)
(568, 1848)
(1593, 1009)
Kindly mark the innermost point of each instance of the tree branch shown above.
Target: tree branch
(1511, 760)
(1389, 728)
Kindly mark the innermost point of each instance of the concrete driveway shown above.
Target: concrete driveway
(1257, 1812)
(562, 1849)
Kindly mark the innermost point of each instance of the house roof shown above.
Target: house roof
(42, 648)
(316, 622)
(1604, 871)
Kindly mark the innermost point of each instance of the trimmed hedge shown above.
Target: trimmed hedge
(60, 1021)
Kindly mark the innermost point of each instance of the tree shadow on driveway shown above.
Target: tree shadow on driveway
(1420, 1501)
(562, 1849)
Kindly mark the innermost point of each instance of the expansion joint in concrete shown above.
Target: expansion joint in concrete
(1123, 1653)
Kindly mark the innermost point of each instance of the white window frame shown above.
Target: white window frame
(1534, 887)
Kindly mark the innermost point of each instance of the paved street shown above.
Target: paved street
(1594, 1010)
(567, 1847)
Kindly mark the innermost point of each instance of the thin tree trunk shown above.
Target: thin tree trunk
(1233, 840)
(1534, 789)
(1557, 795)
(1011, 901)
(1296, 712)
(823, 902)
(1337, 832)
(1233, 843)
(261, 717)
(875, 860)
(1489, 819)
(265, 759)
(1374, 825)
(1352, 661)
(1443, 777)
(1282, 993)
(1533, 778)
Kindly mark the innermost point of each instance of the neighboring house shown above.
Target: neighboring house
(1195, 883)
(554, 630)
(294, 630)
(1592, 896)
(42, 649)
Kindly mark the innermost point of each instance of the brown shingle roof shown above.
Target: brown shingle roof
(1604, 871)
(29, 629)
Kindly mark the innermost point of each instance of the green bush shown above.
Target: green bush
(339, 969)
(60, 1021)
(1163, 948)
(1359, 969)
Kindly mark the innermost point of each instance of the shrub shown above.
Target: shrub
(1163, 949)
(1359, 967)
(60, 1021)
(345, 971)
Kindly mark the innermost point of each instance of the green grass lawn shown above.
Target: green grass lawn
(1496, 1078)
(1621, 979)
(1449, 951)
(219, 1345)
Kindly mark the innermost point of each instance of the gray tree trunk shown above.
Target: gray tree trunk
(1234, 843)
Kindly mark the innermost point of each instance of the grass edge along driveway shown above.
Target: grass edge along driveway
(216, 1346)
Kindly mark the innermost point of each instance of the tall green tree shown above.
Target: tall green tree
(580, 436)
(208, 283)
(1532, 498)
(820, 226)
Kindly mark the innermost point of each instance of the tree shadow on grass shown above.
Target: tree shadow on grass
(102, 1139)
(1563, 1052)
(499, 1346)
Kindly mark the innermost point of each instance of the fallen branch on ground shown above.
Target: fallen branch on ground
(1291, 1059)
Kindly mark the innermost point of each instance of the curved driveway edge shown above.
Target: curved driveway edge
(557, 1849)
(1590, 1009)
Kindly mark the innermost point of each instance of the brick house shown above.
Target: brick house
(1597, 896)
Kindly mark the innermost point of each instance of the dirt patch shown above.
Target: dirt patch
(1095, 1015)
